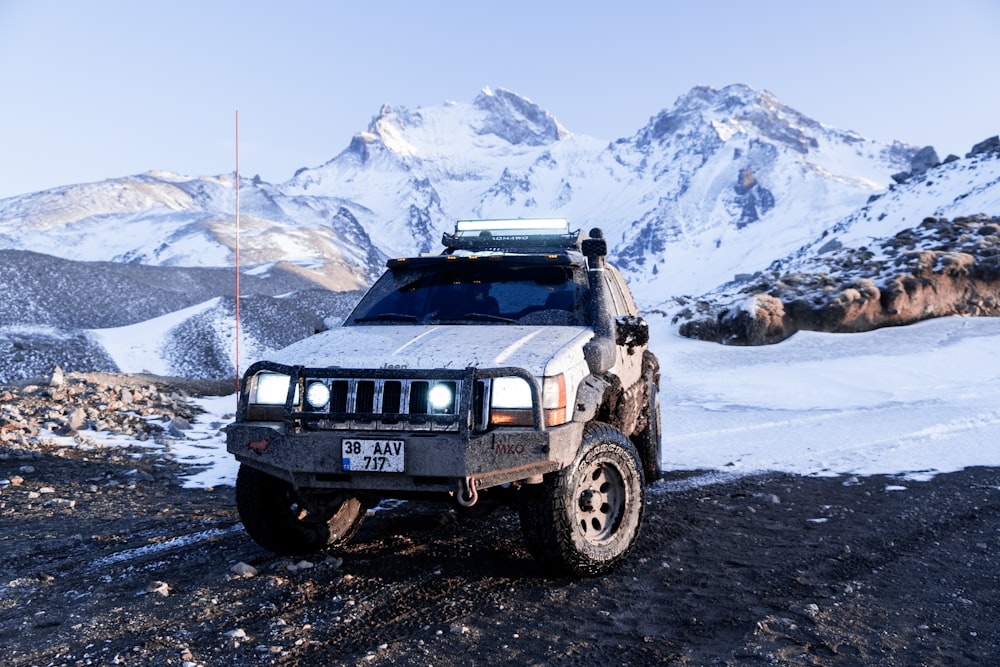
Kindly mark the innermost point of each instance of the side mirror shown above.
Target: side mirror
(631, 331)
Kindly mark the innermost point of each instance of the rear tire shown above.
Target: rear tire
(585, 519)
(292, 523)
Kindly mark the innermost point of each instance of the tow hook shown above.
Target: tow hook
(467, 494)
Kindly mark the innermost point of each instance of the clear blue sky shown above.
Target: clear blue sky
(101, 88)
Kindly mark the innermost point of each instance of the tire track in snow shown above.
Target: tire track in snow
(160, 547)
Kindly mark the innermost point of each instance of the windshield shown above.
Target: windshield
(490, 294)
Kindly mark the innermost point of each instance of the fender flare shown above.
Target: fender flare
(589, 398)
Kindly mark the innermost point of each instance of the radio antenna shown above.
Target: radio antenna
(237, 253)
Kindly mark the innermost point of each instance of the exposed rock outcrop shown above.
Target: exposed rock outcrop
(941, 267)
(926, 158)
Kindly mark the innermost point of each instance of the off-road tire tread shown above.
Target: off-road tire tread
(263, 506)
(546, 516)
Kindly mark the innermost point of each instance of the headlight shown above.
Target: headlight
(270, 389)
(510, 401)
(511, 393)
(317, 395)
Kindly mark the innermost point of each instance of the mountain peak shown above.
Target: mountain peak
(729, 98)
(736, 108)
(517, 119)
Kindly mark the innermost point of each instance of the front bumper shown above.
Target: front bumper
(434, 461)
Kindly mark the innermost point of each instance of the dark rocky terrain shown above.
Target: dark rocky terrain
(108, 559)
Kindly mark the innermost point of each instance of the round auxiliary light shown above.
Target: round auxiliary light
(440, 397)
(317, 395)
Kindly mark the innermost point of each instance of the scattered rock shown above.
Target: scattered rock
(159, 588)
(244, 570)
(114, 403)
(926, 158)
(76, 419)
(301, 565)
(177, 427)
(991, 145)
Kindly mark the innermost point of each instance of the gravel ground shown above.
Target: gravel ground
(107, 559)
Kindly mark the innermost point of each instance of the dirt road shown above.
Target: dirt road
(108, 560)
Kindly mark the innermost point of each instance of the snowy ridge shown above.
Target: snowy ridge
(960, 188)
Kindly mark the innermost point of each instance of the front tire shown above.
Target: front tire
(585, 519)
(292, 523)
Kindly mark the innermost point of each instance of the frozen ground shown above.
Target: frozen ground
(913, 401)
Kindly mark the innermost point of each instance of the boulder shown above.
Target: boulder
(991, 145)
(940, 267)
(926, 158)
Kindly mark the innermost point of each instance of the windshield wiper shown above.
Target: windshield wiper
(480, 317)
(392, 317)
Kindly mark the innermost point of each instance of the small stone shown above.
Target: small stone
(245, 570)
(177, 427)
(159, 587)
(238, 633)
(76, 419)
(459, 630)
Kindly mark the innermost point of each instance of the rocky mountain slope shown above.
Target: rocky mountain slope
(877, 267)
(89, 316)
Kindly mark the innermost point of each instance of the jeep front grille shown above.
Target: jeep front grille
(386, 404)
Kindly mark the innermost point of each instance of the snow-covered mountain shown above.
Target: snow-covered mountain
(685, 200)
(720, 184)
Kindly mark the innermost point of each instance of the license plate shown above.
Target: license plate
(372, 455)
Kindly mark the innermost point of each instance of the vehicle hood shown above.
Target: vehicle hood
(532, 348)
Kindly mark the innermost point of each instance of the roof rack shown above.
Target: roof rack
(516, 234)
